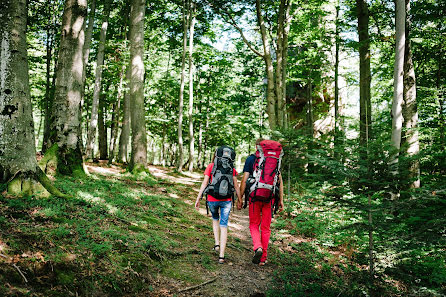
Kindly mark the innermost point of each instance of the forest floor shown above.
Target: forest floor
(238, 276)
(126, 236)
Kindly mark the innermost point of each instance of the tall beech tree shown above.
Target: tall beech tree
(192, 18)
(18, 164)
(180, 156)
(398, 76)
(410, 135)
(138, 159)
(365, 77)
(89, 151)
(274, 39)
(65, 115)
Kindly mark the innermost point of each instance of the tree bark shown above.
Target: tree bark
(409, 108)
(65, 123)
(18, 165)
(398, 88)
(89, 152)
(102, 129)
(17, 150)
(285, 62)
(180, 158)
(364, 73)
(191, 86)
(336, 81)
(279, 63)
(271, 92)
(125, 128)
(115, 118)
(138, 159)
(49, 92)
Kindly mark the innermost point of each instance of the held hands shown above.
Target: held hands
(239, 203)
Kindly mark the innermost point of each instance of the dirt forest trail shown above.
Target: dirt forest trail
(238, 276)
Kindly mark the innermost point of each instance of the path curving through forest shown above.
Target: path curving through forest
(238, 276)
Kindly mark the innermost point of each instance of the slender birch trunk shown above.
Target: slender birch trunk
(191, 86)
(180, 158)
(97, 85)
(138, 159)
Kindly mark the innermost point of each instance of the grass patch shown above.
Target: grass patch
(113, 238)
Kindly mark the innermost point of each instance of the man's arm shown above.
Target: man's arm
(242, 189)
(280, 193)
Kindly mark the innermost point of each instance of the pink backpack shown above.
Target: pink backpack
(264, 181)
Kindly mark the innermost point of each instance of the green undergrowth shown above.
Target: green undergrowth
(115, 237)
(328, 255)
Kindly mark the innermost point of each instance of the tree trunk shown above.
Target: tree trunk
(125, 128)
(86, 55)
(206, 136)
(102, 128)
(180, 158)
(191, 86)
(365, 112)
(441, 101)
(270, 93)
(138, 159)
(49, 85)
(200, 141)
(89, 152)
(65, 123)
(398, 88)
(285, 62)
(336, 81)
(18, 165)
(88, 36)
(410, 112)
(17, 150)
(115, 118)
(279, 63)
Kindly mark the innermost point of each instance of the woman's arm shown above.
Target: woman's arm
(200, 193)
(237, 189)
(280, 193)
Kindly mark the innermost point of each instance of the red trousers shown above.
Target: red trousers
(260, 216)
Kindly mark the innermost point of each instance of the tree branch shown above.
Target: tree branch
(197, 286)
(234, 24)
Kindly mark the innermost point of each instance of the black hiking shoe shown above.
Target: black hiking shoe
(257, 256)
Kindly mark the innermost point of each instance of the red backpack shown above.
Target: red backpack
(263, 183)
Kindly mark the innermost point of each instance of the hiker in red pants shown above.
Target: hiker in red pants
(263, 187)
